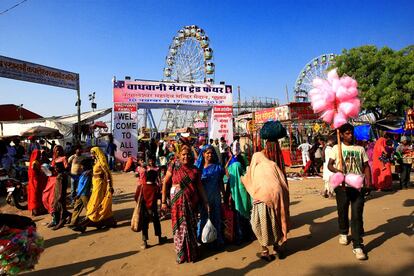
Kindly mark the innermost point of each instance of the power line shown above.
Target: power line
(16, 5)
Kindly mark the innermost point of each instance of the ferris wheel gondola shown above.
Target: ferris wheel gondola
(317, 67)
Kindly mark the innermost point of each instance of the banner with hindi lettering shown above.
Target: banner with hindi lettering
(221, 123)
(125, 131)
(153, 93)
(26, 71)
(263, 115)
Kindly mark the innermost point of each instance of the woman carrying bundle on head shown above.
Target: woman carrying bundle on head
(186, 191)
(266, 183)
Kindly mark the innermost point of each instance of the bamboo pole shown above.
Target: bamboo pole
(340, 164)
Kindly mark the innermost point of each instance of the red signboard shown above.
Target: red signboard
(302, 111)
(264, 115)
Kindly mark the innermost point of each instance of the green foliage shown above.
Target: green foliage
(385, 77)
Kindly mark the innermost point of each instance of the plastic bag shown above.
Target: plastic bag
(136, 220)
(209, 233)
(46, 169)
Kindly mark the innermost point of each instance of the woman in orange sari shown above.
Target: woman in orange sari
(381, 166)
(36, 185)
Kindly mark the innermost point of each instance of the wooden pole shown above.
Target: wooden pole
(253, 133)
(78, 134)
(340, 164)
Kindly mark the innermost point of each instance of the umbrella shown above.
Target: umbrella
(99, 124)
(42, 131)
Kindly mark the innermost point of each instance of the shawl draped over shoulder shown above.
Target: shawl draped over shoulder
(266, 182)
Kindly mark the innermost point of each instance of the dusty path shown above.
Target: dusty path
(312, 249)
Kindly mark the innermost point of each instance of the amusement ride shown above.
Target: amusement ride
(317, 67)
(190, 60)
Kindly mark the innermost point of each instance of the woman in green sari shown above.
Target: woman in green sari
(241, 201)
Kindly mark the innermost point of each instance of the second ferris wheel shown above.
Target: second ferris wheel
(190, 57)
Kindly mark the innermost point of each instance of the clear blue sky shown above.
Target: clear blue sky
(259, 45)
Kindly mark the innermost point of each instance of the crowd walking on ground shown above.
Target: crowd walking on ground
(200, 182)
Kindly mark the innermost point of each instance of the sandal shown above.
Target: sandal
(144, 245)
(278, 251)
(162, 240)
(79, 228)
(264, 255)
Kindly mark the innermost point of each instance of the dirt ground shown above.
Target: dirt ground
(312, 249)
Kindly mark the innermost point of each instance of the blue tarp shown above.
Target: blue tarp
(362, 132)
(401, 131)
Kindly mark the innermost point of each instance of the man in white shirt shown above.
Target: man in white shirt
(235, 149)
(223, 151)
(305, 147)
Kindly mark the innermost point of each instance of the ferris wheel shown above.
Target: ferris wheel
(190, 59)
(317, 67)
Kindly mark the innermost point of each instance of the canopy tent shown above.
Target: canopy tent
(42, 131)
(12, 112)
(86, 117)
(98, 124)
(390, 123)
(65, 124)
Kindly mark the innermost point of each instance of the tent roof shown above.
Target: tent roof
(12, 112)
(86, 117)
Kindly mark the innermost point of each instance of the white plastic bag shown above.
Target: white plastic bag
(209, 233)
(163, 161)
(46, 169)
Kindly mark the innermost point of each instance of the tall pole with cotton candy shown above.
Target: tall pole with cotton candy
(336, 99)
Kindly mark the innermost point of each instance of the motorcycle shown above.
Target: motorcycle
(16, 190)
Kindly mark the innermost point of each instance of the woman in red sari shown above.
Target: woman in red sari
(186, 190)
(381, 166)
(36, 185)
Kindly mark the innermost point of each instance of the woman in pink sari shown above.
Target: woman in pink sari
(54, 195)
(381, 166)
(370, 153)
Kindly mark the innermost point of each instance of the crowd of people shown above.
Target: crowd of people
(382, 154)
(195, 181)
(52, 171)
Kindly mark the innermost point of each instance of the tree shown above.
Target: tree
(385, 77)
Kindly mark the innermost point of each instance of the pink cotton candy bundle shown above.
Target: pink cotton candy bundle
(336, 179)
(354, 180)
(339, 119)
(336, 98)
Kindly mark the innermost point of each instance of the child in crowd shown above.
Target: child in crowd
(147, 186)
